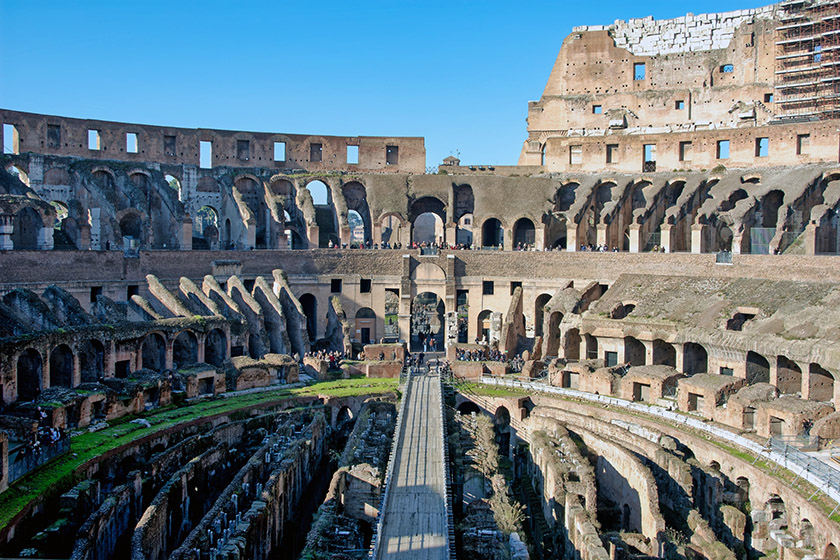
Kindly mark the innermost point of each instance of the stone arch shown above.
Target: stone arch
(501, 424)
(174, 183)
(427, 272)
(539, 309)
(309, 303)
(280, 186)
(355, 197)
(758, 368)
(553, 334)
(29, 375)
(141, 180)
(153, 352)
(61, 366)
(770, 205)
(104, 178)
(366, 325)
(27, 228)
(343, 416)
(564, 196)
(591, 346)
(732, 199)
(524, 232)
(246, 183)
(427, 322)
(391, 223)
(206, 227)
(695, 358)
(184, 349)
(215, 347)
(483, 326)
(131, 226)
(664, 354)
(492, 234)
(831, 552)
(634, 351)
(789, 376)
(428, 216)
(319, 190)
(91, 360)
(820, 383)
(468, 407)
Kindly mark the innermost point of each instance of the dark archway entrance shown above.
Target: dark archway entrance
(427, 323)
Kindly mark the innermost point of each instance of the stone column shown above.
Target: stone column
(665, 237)
(774, 372)
(200, 347)
(95, 229)
(7, 225)
(571, 237)
(170, 351)
(679, 358)
(45, 238)
(809, 237)
(312, 236)
(251, 240)
(405, 302)
(77, 369)
(377, 233)
(698, 237)
(635, 238)
(601, 238)
(186, 233)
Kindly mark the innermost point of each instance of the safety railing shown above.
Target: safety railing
(29, 460)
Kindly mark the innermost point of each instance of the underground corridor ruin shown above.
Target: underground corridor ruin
(210, 340)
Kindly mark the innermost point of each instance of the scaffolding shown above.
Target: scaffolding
(807, 77)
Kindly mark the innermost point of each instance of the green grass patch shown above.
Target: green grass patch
(59, 475)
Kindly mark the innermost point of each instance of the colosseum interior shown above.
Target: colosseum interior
(212, 342)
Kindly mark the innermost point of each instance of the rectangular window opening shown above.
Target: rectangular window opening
(93, 140)
(205, 157)
(514, 285)
(685, 151)
(726, 371)
(279, 151)
(612, 153)
(639, 71)
(803, 144)
(487, 287)
(762, 147)
(53, 136)
(817, 53)
(132, 290)
(597, 109)
(576, 154)
(335, 285)
(11, 139)
(243, 150)
(131, 142)
(352, 155)
(722, 149)
(169, 145)
(679, 104)
(611, 358)
(392, 155)
(364, 286)
(315, 153)
(727, 69)
(95, 291)
(768, 98)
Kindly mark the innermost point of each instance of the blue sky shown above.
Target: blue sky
(458, 73)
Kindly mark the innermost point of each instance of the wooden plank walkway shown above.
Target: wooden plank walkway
(415, 522)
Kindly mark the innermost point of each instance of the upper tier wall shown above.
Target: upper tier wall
(54, 135)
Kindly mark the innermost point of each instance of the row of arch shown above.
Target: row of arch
(91, 360)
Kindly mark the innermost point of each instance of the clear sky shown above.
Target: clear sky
(459, 74)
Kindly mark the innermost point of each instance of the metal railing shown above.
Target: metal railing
(823, 476)
(26, 463)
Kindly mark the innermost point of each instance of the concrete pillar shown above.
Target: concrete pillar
(312, 236)
(7, 224)
(698, 238)
(809, 237)
(774, 371)
(170, 354)
(186, 234)
(45, 238)
(77, 369)
(635, 238)
(199, 337)
(679, 358)
(571, 237)
(95, 229)
(665, 237)
(601, 238)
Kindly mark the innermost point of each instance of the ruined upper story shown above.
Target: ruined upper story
(207, 148)
(708, 74)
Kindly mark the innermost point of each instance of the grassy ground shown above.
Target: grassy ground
(59, 475)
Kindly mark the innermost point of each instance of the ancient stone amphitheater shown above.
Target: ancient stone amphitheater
(206, 335)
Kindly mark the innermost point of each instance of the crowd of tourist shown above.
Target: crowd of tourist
(333, 357)
(444, 245)
(43, 437)
(490, 355)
